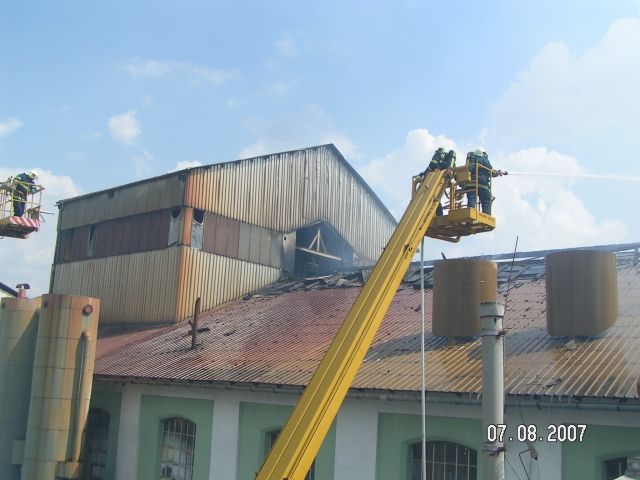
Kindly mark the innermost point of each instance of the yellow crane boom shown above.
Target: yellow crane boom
(298, 443)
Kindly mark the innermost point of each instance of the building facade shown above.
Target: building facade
(216, 232)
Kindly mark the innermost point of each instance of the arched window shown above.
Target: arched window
(445, 460)
(614, 468)
(96, 437)
(271, 439)
(178, 445)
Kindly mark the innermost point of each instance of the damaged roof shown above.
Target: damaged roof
(279, 335)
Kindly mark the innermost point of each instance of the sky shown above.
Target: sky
(99, 94)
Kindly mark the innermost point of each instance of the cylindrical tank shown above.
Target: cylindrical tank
(18, 328)
(61, 386)
(582, 292)
(459, 287)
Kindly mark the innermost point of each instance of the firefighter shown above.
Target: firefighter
(24, 184)
(479, 160)
(441, 160)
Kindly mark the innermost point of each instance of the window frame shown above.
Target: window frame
(161, 460)
(417, 444)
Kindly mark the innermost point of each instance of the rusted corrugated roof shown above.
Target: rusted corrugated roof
(279, 336)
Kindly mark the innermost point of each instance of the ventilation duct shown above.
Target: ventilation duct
(582, 292)
(459, 287)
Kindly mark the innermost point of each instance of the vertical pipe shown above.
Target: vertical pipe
(491, 314)
(18, 330)
(423, 400)
(60, 387)
(194, 324)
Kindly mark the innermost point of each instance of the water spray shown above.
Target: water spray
(580, 175)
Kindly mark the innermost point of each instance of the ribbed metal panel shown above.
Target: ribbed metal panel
(141, 197)
(288, 190)
(138, 288)
(217, 279)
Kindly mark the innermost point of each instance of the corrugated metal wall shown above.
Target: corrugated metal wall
(137, 233)
(217, 279)
(147, 196)
(288, 190)
(134, 289)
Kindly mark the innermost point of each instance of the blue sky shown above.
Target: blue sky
(96, 94)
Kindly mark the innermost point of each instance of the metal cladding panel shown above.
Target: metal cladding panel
(217, 279)
(460, 285)
(279, 337)
(286, 191)
(582, 292)
(135, 289)
(146, 196)
(244, 241)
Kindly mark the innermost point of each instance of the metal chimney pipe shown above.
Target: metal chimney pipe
(194, 324)
(22, 289)
(491, 314)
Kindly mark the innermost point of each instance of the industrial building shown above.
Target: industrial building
(162, 409)
(217, 232)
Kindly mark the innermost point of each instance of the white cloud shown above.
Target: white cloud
(30, 260)
(195, 72)
(309, 126)
(566, 98)
(9, 125)
(186, 164)
(544, 212)
(125, 128)
(390, 176)
(285, 45)
(142, 164)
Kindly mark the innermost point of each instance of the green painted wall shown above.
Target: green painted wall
(109, 401)
(583, 460)
(256, 420)
(397, 432)
(154, 409)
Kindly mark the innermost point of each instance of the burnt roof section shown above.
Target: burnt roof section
(221, 164)
(278, 336)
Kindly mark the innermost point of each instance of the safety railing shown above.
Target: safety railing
(13, 192)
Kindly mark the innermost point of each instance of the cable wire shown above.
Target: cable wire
(423, 389)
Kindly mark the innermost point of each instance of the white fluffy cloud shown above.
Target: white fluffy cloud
(9, 125)
(390, 176)
(544, 212)
(125, 128)
(30, 260)
(565, 98)
(309, 126)
(142, 164)
(285, 45)
(186, 164)
(192, 71)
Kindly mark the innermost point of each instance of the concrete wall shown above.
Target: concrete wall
(369, 440)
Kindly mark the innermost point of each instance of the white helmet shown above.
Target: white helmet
(479, 152)
(33, 174)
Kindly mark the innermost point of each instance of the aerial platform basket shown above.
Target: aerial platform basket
(458, 220)
(19, 226)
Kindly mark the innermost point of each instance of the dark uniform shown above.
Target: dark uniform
(441, 160)
(484, 180)
(24, 185)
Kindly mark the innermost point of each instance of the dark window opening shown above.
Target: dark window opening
(175, 213)
(445, 460)
(95, 444)
(320, 250)
(614, 468)
(198, 216)
(271, 440)
(91, 247)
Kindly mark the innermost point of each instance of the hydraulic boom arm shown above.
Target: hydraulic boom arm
(298, 443)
